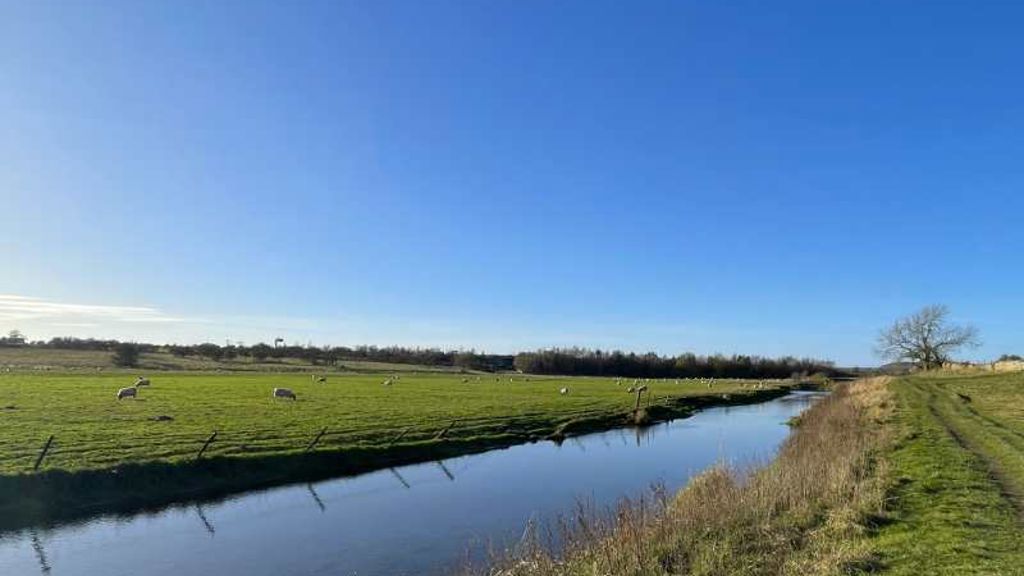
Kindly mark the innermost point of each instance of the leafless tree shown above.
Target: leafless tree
(926, 338)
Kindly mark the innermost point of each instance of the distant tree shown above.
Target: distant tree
(260, 351)
(926, 338)
(126, 355)
(14, 338)
(1011, 358)
(211, 351)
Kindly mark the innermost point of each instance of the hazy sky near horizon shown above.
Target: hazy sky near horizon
(753, 177)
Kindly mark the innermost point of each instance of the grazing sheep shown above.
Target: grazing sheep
(322, 380)
(563, 391)
(127, 393)
(284, 393)
(140, 381)
(464, 380)
(387, 382)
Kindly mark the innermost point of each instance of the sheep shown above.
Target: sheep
(284, 393)
(140, 381)
(322, 380)
(127, 393)
(630, 390)
(564, 391)
(387, 382)
(465, 380)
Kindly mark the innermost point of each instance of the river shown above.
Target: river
(417, 519)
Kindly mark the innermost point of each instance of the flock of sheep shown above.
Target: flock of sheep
(133, 391)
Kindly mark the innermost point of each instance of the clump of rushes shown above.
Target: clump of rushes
(805, 513)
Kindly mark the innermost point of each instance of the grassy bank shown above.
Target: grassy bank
(121, 455)
(806, 513)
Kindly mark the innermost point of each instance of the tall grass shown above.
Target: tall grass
(805, 513)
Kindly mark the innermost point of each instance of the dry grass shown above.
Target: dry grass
(806, 513)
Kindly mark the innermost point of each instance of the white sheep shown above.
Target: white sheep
(563, 391)
(284, 393)
(127, 393)
(387, 382)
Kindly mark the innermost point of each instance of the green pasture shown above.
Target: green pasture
(93, 430)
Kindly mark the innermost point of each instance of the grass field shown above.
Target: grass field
(94, 430)
(958, 473)
(108, 452)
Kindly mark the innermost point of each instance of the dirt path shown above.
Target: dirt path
(977, 434)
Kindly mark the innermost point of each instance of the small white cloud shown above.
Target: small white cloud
(14, 307)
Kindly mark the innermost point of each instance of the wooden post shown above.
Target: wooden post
(443, 433)
(315, 440)
(206, 445)
(46, 448)
(637, 407)
(399, 437)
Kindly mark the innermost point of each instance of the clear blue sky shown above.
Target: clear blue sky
(754, 177)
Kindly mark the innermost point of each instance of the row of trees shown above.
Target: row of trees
(585, 362)
(126, 354)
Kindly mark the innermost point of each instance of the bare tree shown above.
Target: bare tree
(925, 337)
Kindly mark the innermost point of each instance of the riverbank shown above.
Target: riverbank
(916, 475)
(416, 419)
(807, 512)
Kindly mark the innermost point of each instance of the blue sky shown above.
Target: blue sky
(766, 178)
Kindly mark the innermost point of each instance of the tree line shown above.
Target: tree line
(127, 352)
(585, 362)
(555, 361)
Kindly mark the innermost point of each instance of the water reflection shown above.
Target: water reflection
(206, 523)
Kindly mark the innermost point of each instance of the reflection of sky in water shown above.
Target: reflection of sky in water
(374, 524)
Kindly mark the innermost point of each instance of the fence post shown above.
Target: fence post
(206, 445)
(443, 433)
(399, 437)
(317, 439)
(46, 448)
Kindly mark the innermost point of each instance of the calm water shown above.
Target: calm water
(410, 520)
